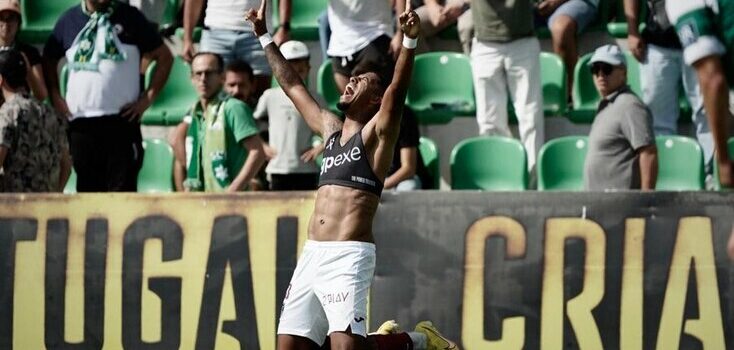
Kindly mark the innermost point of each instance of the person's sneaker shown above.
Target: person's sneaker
(436, 341)
(388, 327)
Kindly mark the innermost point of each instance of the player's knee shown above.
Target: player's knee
(563, 27)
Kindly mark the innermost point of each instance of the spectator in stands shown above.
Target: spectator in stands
(661, 68)
(228, 35)
(360, 37)
(290, 149)
(622, 153)
(407, 171)
(239, 82)
(223, 148)
(506, 56)
(566, 19)
(34, 153)
(10, 19)
(437, 15)
(706, 32)
(103, 42)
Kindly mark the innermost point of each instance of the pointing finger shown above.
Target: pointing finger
(263, 5)
(408, 6)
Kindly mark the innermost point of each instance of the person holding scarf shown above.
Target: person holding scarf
(223, 148)
(104, 42)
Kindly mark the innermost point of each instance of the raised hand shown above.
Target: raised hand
(410, 23)
(257, 18)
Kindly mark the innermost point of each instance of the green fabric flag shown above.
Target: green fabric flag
(88, 53)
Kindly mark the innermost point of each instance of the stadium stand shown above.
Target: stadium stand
(176, 98)
(326, 87)
(491, 163)
(561, 164)
(680, 164)
(430, 156)
(304, 18)
(553, 81)
(441, 87)
(39, 18)
(156, 175)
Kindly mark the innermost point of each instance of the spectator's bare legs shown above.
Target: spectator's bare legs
(563, 31)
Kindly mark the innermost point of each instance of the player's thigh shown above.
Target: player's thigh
(292, 342)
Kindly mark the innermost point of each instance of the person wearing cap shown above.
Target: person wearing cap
(34, 153)
(10, 20)
(291, 150)
(223, 150)
(622, 153)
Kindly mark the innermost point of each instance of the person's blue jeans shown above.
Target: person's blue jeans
(660, 75)
(232, 44)
(324, 32)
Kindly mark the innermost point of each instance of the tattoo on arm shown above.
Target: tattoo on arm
(285, 74)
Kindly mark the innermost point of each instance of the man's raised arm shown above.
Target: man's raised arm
(391, 109)
(287, 76)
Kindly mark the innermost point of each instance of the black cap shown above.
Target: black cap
(13, 67)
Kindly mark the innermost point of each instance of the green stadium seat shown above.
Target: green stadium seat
(169, 13)
(586, 98)
(70, 187)
(717, 183)
(553, 82)
(561, 164)
(429, 155)
(39, 18)
(156, 175)
(304, 18)
(680, 164)
(176, 98)
(326, 86)
(489, 163)
(618, 26)
(441, 87)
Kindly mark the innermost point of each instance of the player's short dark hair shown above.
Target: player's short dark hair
(217, 57)
(242, 67)
(13, 68)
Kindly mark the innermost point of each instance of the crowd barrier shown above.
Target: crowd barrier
(506, 270)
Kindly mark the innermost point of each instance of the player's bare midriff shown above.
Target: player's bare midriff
(343, 214)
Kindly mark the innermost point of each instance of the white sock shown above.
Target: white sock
(420, 342)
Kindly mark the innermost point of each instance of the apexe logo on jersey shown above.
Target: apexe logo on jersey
(349, 156)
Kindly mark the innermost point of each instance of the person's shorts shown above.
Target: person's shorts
(329, 289)
(375, 57)
(581, 11)
(233, 44)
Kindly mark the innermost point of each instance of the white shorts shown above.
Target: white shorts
(329, 289)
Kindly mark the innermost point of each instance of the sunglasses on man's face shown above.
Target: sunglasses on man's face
(604, 68)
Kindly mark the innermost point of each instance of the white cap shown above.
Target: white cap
(611, 54)
(294, 50)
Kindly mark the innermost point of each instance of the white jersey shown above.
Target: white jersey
(356, 23)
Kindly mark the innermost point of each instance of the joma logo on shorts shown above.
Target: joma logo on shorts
(332, 298)
(352, 155)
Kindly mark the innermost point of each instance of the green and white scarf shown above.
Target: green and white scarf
(88, 53)
(207, 166)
